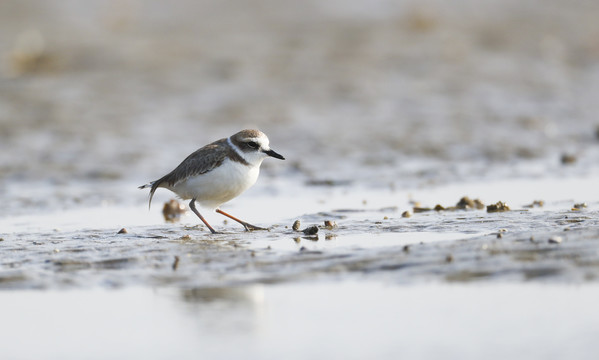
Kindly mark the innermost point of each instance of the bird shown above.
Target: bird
(218, 172)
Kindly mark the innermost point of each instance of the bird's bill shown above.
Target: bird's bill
(274, 154)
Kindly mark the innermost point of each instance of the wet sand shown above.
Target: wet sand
(380, 108)
(371, 239)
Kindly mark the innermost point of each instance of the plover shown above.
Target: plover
(218, 172)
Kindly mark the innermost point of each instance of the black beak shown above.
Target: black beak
(274, 154)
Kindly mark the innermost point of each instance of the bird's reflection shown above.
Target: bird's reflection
(229, 295)
(225, 310)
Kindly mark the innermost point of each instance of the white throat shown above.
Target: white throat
(254, 158)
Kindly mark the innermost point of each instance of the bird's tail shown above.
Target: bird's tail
(153, 187)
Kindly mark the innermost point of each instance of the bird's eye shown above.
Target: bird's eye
(253, 144)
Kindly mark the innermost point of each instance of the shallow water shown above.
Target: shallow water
(378, 107)
(320, 319)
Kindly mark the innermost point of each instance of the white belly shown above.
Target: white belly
(219, 185)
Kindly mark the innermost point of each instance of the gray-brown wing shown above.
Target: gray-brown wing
(199, 162)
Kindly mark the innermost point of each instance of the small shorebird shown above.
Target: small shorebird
(218, 172)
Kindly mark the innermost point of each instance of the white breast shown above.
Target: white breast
(219, 185)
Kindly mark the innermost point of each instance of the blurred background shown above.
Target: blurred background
(94, 93)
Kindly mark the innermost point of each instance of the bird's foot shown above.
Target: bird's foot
(250, 227)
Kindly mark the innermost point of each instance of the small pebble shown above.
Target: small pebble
(172, 210)
(296, 225)
(406, 214)
(439, 208)
(123, 231)
(499, 207)
(186, 237)
(176, 263)
(449, 258)
(499, 235)
(555, 240)
(568, 159)
(311, 230)
(536, 203)
(580, 206)
(465, 203)
(329, 224)
(406, 248)
(479, 204)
